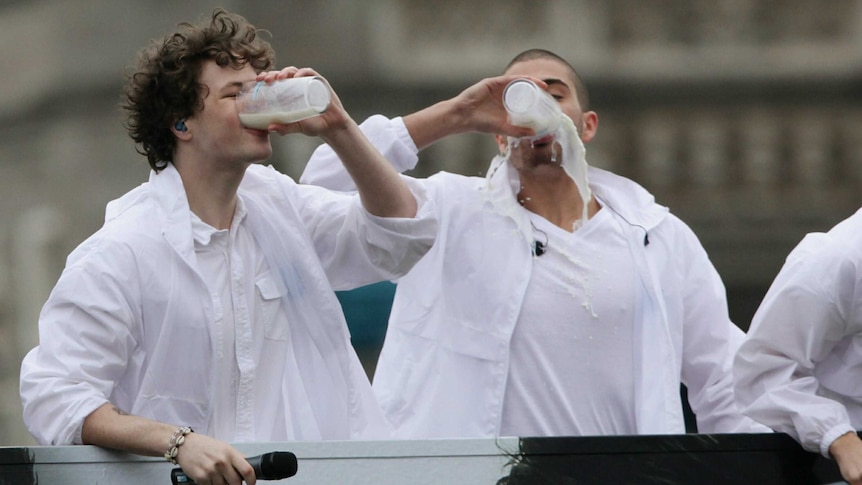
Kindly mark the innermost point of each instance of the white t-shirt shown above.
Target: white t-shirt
(571, 356)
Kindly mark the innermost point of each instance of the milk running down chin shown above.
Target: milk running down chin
(575, 162)
(530, 106)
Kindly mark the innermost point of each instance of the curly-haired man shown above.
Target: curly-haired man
(205, 301)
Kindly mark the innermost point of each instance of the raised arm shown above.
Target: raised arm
(477, 109)
(381, 189)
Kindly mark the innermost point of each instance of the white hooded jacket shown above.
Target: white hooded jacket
(799, 367)
(130, 320)
(443, 368)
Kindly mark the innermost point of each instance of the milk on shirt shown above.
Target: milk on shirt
(571, 369)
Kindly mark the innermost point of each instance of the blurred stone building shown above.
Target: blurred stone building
(743, 116)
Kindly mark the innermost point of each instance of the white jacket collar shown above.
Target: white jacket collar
(627, 198)
(166, 191)
(166, 188)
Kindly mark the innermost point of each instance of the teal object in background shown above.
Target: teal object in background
(367, 312)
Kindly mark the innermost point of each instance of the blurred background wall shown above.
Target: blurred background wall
(743, 116)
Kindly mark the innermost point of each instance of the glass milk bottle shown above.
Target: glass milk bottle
(284, 101)
(530, 106)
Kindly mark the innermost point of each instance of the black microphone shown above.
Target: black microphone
(268, 466)
(538, 248)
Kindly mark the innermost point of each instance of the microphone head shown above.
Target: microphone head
(274, 466)
(539, 248)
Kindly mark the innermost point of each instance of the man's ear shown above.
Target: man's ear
(591, 125)
(181, 130)
(502, 143)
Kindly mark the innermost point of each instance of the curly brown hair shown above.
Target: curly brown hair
(164, 87)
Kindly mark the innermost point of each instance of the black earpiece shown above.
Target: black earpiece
(181, 126)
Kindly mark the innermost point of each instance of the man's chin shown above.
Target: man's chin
(542, 141)
(262, 156)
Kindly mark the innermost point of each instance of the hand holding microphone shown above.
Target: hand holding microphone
(275, 465)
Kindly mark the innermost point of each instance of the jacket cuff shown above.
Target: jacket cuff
(403, 164)
(833, 434)
(425, 209)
